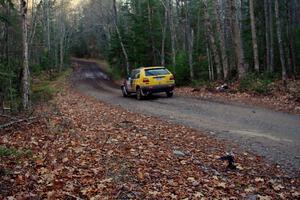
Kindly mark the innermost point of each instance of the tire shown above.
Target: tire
(139, 95)
(169, 94)
(124, 91)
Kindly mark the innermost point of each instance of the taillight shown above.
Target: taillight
(172, 78)
(145, 80)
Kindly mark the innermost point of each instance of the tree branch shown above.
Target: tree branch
(16, 121)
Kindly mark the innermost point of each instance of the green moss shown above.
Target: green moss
(13, 153)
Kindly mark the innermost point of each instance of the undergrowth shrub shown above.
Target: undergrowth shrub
(42, 91)
(258, 84)
(204, 83)
(44, 87)
(114, 72)
(182, 69)
(294, 89)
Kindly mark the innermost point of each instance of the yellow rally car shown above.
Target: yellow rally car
(147, 80)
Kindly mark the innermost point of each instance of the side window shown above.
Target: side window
(137, 76)
(133, 74)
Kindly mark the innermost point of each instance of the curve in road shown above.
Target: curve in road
(274, 135)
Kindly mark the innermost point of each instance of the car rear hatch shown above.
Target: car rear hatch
(159, 76)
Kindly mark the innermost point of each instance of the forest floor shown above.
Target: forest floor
(279, 98)
(81, 148)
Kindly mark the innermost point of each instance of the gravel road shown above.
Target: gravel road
(274, 135)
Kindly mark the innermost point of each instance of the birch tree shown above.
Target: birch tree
(115, 15)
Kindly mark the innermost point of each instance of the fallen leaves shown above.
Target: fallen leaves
(280, 98)
(259, 179)
(90, 150)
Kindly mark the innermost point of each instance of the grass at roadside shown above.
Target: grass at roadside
(44, 88)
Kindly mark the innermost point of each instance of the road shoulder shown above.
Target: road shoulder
(282, 103)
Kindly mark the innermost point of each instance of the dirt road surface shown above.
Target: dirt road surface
(274, 135)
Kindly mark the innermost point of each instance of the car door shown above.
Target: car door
(135, 80)
(130, 81)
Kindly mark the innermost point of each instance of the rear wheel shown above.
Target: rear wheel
(124, 91)
(169, 94)
(139, 95)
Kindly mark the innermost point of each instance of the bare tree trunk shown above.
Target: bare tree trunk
(210, 66)
(191, 47)
(198, 35)
(294, 20)
(151, 32)
(123, 50)
(25, 69)
(267, 25)
(280, 43)
(239, 12)
(271, 36)
(212, 41)
(163, 41)
(254, 37)
(61, 36)
(33, 24)
(173, 35)
(44, 22)
(61, 48)
(189, 39)
(7, 41)
(216, 7)
(48, 26)
(115, 15)
(239, 51)
(229, 36)
(290, 47)
(115, 12)
(186, 27)
(7, 60)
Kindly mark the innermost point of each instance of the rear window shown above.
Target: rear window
(156, 72)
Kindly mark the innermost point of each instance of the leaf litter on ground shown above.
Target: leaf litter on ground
(87, 149)
(279, 99)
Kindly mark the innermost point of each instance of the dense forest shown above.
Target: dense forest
(223, 40)
(34, 38)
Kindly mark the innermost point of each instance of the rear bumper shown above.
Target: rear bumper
(158, 88)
